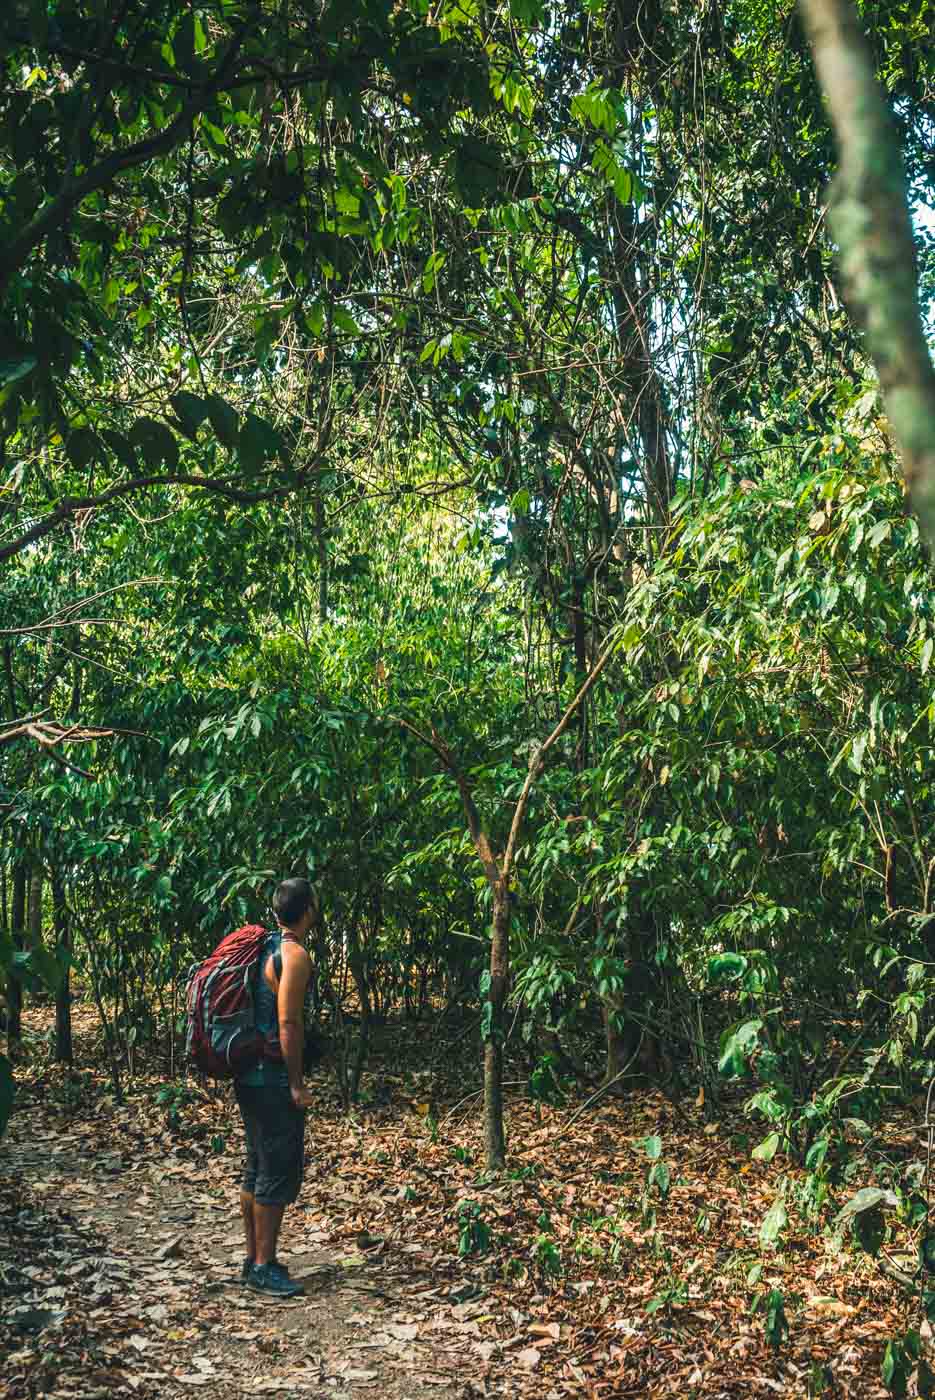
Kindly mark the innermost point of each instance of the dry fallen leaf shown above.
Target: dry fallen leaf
(545, 1329)
(829, 1307)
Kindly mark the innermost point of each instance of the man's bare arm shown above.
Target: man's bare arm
(296, 970)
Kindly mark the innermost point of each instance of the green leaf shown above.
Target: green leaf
(774, 1222)
(224, 420)
(816, 1154)
(865, 1212)
(766, 1150)
(652, 1146)
(122, 450)
(777, 1326)
(344, 321)
(191, 410)
(155, 443)
(346, 202)
(736, 1046)
(660, 1178)
(869, 1198)
(855, 759)
(83, 448)
(16, 368)
(623, 184)
(257, 443)
(727, 967)
(898, 1362)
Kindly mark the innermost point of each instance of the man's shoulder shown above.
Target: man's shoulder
(294, 952)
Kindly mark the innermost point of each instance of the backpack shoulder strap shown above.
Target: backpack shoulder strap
(280, 937)
(277, 956)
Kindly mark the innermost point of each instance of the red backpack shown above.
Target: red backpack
(222, 1039)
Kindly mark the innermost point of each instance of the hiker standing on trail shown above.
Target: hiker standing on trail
(272, 1096)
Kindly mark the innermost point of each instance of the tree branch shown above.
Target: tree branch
(475, 827)
(537, 758)
(67, 507)
(54, 214)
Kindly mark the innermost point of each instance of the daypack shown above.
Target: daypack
(222, 1039)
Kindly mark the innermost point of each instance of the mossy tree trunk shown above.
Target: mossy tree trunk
(869, 217)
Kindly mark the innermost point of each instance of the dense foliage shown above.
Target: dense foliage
(371, 376)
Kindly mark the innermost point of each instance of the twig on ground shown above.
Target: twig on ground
(591, 1099)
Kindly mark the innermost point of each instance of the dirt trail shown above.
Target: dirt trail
(147, 1262)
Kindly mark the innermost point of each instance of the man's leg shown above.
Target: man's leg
(248, 1181)
(280, 1141)
(247, 1209)
(266, 1222)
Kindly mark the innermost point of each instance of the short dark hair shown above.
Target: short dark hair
(291, 900)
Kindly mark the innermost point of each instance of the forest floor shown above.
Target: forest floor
(577, 1275)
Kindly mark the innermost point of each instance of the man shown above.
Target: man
(272, 1097)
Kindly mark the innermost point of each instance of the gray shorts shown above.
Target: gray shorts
(275, 1131)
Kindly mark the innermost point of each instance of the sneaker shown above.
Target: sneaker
(274, 1280)
(247, 1265)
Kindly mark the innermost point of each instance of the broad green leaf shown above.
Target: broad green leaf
(344, 321)
(868, 1198)
(815, 1157)
(224, 420)
(660, 1178)
(120, 446)
(736, 1046)
(16, 368)
(727, 967)
(155, 443)
(774, 1222)
(766, 1150)
(191, 410)
(257, 443)
(83, 448)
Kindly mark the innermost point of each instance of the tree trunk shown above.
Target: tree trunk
(869, 217)
(35, 906)
(621, 1038)
(321, 544)
(63, 1039)
(358, 966)
(110, 1033)
(14, 1023)
(494, 1136)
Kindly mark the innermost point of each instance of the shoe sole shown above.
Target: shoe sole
(275, 1292)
